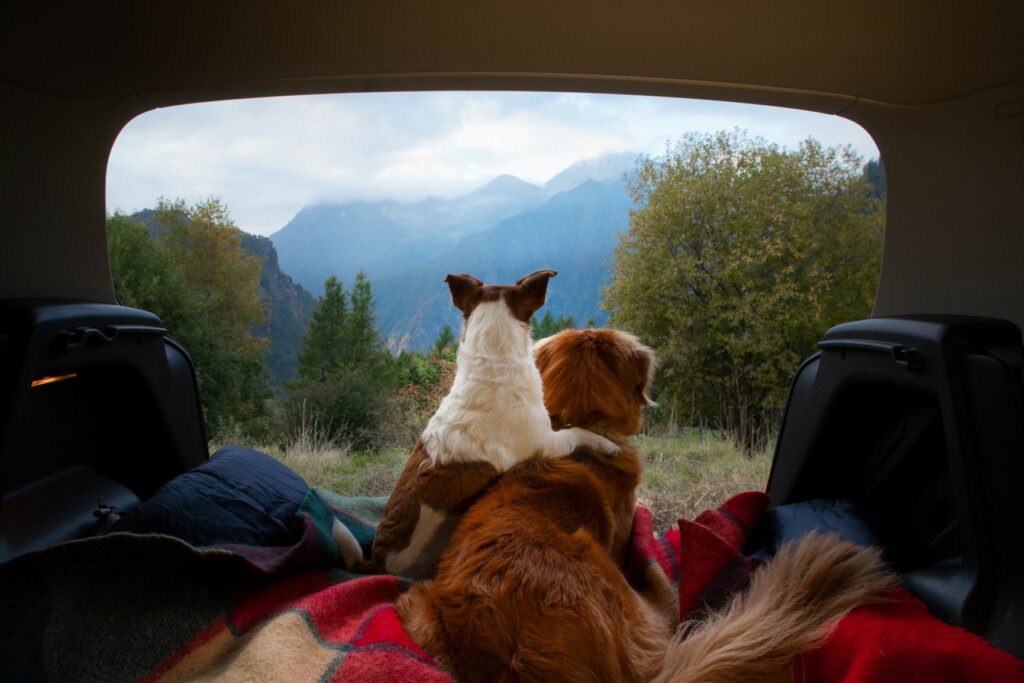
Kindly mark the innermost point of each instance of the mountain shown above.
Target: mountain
(288, 305)
(603, 168)
(498, 232)
(288, 309)
(386, 237)
(573, 232)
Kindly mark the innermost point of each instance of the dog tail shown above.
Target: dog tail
(792, 604)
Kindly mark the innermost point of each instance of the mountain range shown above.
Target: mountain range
(499, 232)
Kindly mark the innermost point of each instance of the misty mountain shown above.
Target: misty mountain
(603, 168)
(387, 237)
(573, 232)
(499, 232)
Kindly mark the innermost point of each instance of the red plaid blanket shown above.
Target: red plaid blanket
(127, 607)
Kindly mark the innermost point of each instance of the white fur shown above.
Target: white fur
(419, 559)
(495, 410)
(347, 544)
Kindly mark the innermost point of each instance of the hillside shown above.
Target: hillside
(289, 307)
(288, 304)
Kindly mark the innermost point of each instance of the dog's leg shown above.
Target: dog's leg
(565, 441)
(348, 546)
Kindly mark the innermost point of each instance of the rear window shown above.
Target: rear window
(298, 248)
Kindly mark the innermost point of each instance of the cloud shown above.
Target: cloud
(267, 158)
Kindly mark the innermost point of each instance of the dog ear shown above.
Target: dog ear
(533, 292)
(645, 364)
(462, 287)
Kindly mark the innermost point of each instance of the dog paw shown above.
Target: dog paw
(598, 443)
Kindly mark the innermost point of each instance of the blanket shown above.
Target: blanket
(149, 607)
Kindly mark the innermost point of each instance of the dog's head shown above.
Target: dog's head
(493, 313)
(596, 379)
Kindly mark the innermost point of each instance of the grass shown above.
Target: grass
(684, 475)
(697, 470)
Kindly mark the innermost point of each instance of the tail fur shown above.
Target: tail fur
(792, 603)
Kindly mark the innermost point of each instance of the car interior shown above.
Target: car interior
(916, 414)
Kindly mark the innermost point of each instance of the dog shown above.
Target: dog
(532, 588)
(493, 418)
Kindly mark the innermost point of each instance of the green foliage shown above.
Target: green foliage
(347, 377)
(144, 276)
(446, 340)
(738, 258)
(549, 325)
(354, 405)
(324, 345)
(874, 173)
(417, 369)
(362, 340)
(197, 277)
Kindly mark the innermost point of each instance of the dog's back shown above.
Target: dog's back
(529, 590)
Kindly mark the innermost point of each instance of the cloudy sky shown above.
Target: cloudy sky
(268, 158)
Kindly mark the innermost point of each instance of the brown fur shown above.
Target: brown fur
(448, 488)
(596, 378)
(523, 298)
(528, 589)
(790, 607)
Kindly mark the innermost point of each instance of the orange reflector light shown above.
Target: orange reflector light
(52, 379)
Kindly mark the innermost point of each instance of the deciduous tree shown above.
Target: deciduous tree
(739, 255)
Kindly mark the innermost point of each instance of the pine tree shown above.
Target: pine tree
(445, 340)
(326, 339)
(363, 341)
(347, 376)
(549, 325)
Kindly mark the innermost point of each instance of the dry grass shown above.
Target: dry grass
(694, 471)
(685, 474)
(337, 468)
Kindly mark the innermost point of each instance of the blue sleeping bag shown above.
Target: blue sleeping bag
(237, 496)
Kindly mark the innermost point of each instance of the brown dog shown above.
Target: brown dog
(530, 587)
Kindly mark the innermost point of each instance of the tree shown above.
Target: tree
(549, 325)
(191, 270)
(738, 257)
(144, 276)
(323, 346)
(874, 173)
(445, 340)
(347, 376)
(363, 340)
(223, 280)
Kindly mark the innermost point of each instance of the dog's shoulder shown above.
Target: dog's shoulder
(428, 499)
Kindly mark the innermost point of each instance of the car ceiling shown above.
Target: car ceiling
(898, 53)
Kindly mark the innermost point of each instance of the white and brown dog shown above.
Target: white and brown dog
(492, 419)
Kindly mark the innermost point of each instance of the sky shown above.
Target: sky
(267, 158)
